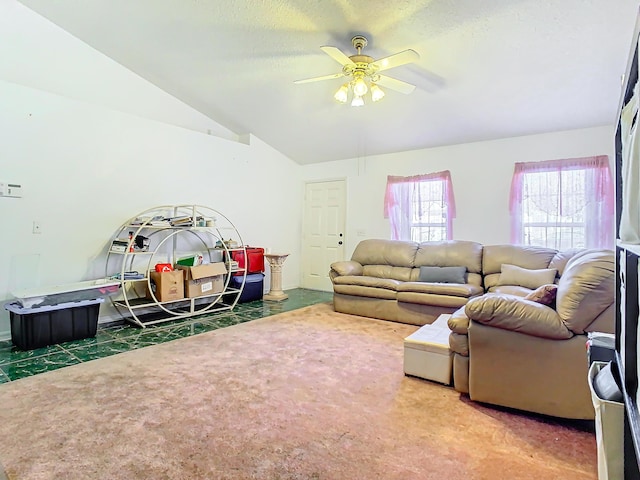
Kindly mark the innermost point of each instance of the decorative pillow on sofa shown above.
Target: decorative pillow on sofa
(514, 275)
(546, 294)
(443, 274)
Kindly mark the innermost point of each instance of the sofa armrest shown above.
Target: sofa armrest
(348, 267)
(513, 313)
(458, 322)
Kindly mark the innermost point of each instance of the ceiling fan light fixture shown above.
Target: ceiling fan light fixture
(376, 92)
(342, 94)
(362, 72)
(357, 101)
(360, 86)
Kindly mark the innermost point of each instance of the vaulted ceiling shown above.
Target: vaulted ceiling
(488, 70)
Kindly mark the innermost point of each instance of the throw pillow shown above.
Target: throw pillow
(443, 274)
(514, 275)
(545, 294)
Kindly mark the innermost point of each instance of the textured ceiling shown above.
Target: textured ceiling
(488, 70)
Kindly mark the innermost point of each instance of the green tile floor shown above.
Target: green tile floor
(121, 337)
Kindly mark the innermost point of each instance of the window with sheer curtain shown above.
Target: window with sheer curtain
(563, 204)
(420, 208)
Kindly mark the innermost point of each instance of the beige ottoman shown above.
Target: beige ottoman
(427, 354)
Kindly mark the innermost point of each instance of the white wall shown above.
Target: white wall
(37, 53)
(86, 167)
(481, 174)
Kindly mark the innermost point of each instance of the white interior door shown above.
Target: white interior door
(323, 232)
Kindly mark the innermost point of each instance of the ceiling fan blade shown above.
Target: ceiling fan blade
(395, 84)
(317, 79)
(395, 60)
(337, 55)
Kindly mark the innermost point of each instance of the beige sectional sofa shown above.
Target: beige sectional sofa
(513, 345)
(382, 280)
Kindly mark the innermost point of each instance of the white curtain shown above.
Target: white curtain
(553, 192)
(629, 230)
(407, 196)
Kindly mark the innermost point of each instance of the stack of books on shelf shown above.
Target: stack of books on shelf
(157, 221)
(182, 221)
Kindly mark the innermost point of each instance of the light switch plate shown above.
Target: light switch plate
(10, 190)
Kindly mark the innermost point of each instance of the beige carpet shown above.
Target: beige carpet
(309, 394)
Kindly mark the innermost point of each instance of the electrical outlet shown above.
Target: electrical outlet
(37, 228)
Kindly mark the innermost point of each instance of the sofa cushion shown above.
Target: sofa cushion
(450, 302)
(545, 294)
(450, 253)
(517, 314)
(560, 259)
(385, 252)
(368, 292)
(455, 289)
(386, 283)
(586, 289)
(516, 290)
(443, 274)
(402, 274)
(514, 275)
(459, 343)
(525, 256)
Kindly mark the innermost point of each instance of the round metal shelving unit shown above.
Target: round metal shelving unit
(166, 234)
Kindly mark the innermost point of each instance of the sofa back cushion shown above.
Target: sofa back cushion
(586, 288)
(450, 253)
(523, 256)
(560, 259)
(395, 253)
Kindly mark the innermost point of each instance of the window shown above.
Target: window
(420, 208)
(563, 204)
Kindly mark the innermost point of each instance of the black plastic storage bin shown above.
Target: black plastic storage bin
(38, 327)
(253, 287)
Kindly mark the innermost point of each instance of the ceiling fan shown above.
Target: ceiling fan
(363, 72)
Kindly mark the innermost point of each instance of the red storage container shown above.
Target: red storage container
(255, 263)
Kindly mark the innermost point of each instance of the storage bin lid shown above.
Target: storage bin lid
(15, 307)
(251, 278)
(70, 292)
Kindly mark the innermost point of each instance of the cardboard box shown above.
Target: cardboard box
(200, 280)
(168, 285)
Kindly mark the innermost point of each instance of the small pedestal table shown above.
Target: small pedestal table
(275, 292)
